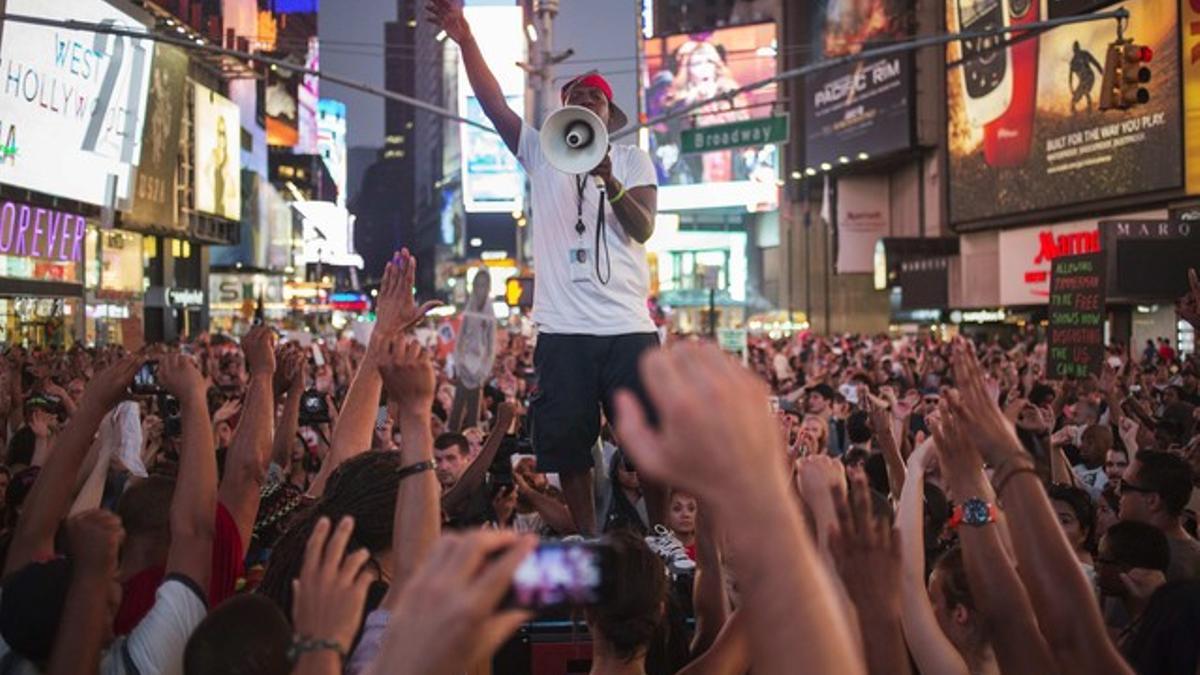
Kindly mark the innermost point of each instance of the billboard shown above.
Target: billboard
(307, 100)
(331, 143)
(282, 108)
(492, 180)
(681, 70)
(862, 107)
(154, 200)
(73, 101)
(218, 163)
(328, 234)
(1025, 129)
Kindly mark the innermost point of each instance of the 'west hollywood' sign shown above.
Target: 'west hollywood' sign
(45, 234)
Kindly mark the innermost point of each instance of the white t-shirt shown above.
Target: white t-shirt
(156, 644)
(561, 305)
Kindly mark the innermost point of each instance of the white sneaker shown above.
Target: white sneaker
(667, 546)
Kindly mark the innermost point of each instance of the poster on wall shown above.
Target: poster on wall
(154, 201)
(72, 103)
(684, 69)
(1025, 129)
(863, 107)
(217, 162)
(863, 218)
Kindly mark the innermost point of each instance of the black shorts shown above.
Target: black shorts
(576, 375)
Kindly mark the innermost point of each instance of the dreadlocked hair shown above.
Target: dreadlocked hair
(365, 488)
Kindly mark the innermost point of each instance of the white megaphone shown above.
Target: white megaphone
(574, 140)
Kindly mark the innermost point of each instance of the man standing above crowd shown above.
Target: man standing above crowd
(592, 279)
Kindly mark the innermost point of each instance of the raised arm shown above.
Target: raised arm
(396, 312)
(931, 649)
(448, 15)
(709, 598)
(289, 421)
(93, 540)
(732, 462)
(408, 375)
(457, 496)
(194, 505)
(867, 555)
(994, 583)
(250, 450)
(1062, 599)
(51, 495)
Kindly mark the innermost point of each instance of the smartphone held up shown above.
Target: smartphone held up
(562, 574)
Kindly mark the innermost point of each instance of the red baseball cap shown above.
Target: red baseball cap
(616, 116)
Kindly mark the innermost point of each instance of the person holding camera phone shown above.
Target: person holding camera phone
(593, 282)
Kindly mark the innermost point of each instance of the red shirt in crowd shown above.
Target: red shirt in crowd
(227, 555)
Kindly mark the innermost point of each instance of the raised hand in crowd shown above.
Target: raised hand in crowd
(448, 617)
(867, 556)
(1062, 599)
(93, 543)
(731, 462)
(328, 599)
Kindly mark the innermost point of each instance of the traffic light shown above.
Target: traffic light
(1126, 69)
(518, 292)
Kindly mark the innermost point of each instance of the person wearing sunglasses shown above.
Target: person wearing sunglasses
(1155, 490)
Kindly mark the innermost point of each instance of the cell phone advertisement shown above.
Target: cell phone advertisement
(1026, 132)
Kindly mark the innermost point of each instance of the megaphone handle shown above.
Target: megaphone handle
(599, 183)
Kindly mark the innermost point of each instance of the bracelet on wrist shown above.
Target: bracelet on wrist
(302, 645)
(619, 195)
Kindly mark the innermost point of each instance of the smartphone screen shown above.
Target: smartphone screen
(145, 381)
(560, 575)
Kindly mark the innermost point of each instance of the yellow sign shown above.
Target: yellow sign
(1190, 25)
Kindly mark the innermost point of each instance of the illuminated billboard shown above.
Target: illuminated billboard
(681, 70)
(218, 157)
(331, 143)
(1025, 129)
(328, 234)
(492, 179)
(862, 107)
(73, 102)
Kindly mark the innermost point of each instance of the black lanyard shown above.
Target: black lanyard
(580, 228)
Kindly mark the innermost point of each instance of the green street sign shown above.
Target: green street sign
(761, 131)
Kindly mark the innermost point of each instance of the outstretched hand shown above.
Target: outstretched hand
(396, 309)
(448, 15)
(332, 587)
(713, 456)
(976, 409)
(448, 617)
(408, 374)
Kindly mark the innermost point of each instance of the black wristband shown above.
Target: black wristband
(411, 469)
(302, 645)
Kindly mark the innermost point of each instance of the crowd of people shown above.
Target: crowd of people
(836, 504)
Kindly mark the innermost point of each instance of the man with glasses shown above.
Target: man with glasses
(1154, 490)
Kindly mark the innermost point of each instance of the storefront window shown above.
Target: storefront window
(38, 321)
(38, 270)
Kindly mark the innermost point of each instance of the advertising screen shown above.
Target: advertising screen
(154, 198)
(73, 102)
(331, 143)
(492, 180)
(218, 180)
(862, 107)
(280, 102)
(1025, 129)
(685, 69)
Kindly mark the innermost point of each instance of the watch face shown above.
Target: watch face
(976, 512)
